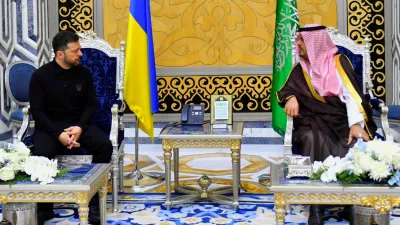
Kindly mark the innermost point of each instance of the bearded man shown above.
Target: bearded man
(327, 104)
(62, 101)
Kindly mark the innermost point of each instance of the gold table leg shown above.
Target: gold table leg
(167, 160)
(103, 196)
(83, 211)
(235, 148)
(176, 168)
(280, 208)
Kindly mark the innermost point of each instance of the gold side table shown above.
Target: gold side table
(73, 187)
(174, 138)
(381, 197)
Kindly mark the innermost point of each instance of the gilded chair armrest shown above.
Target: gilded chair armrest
(287, 145)
(114, 125)
(385, 123)
(25, 123)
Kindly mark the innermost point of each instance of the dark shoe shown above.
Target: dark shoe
(316, 214)
(347, 213)
(44, 212)
(94, 214)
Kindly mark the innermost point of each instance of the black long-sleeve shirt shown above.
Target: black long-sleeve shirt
(60, 98)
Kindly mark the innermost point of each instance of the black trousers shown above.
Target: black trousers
(93, 140)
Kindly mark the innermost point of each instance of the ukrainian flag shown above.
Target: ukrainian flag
(140, 81)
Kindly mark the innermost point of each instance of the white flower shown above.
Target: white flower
(358, 171)
(3, 155)
(342, 165)
(7, 173)
(20, 147)
(387, 152)
(317, 165)
(331, 161)
(328, 162)
(379, 170)
(41, 168)
(374, 145)
(396, 163)
(329, 175)
(364, 161)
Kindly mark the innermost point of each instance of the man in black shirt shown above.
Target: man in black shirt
(62, 102)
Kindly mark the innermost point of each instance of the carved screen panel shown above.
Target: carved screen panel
(75, 15)
(366, 19)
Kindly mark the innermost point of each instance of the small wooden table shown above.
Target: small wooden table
(304, 191)
(78, 185)
(174, 138)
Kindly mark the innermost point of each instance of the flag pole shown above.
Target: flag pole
(138, 175)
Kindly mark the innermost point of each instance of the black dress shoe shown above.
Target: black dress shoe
(316, 214)
(44, 212)
(347, 213)
(94, 214)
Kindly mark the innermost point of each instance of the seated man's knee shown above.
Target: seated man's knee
(105, 144)
(106, 148)
(45, 145)
(306, 137)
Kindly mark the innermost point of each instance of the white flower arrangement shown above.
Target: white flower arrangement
(15, 159)
(375, 160)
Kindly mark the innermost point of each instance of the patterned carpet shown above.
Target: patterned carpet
(149, 209)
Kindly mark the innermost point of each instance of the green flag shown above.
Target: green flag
(286, 25)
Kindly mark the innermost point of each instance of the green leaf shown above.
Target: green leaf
(317, 175)
(346, 178)
(61, 172)
(20, 176)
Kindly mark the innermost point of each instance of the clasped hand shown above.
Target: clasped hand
(70, 137)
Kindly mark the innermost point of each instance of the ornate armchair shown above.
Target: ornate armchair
(392, 118)
(107, 67)
(360, 58)
(18, 75)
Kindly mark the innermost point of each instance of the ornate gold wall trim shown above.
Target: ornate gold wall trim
(251, 93)
(75, 15)
(366, 19)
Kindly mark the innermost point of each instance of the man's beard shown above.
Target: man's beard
(71, 63)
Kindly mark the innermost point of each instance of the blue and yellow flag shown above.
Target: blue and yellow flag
(140, 91)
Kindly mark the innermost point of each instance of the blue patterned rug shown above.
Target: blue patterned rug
(149, 209)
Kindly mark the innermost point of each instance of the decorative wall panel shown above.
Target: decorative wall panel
(366, 19)
(23, 36)
(212, 32)
(76, 15)
(396, 51)
(250, 93)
